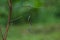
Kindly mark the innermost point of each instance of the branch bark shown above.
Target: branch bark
(9, 18)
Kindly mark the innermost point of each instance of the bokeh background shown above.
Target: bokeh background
(44, 21)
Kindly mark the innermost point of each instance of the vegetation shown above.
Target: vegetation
(31, 19)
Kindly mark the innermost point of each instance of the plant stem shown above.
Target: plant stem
(9, 18)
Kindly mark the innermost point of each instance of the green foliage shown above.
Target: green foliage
(41, 11)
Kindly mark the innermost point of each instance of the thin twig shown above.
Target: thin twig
(9, 18)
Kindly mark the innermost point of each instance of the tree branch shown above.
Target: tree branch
(9, 18)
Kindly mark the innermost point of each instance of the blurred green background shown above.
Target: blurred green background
(45, 19)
